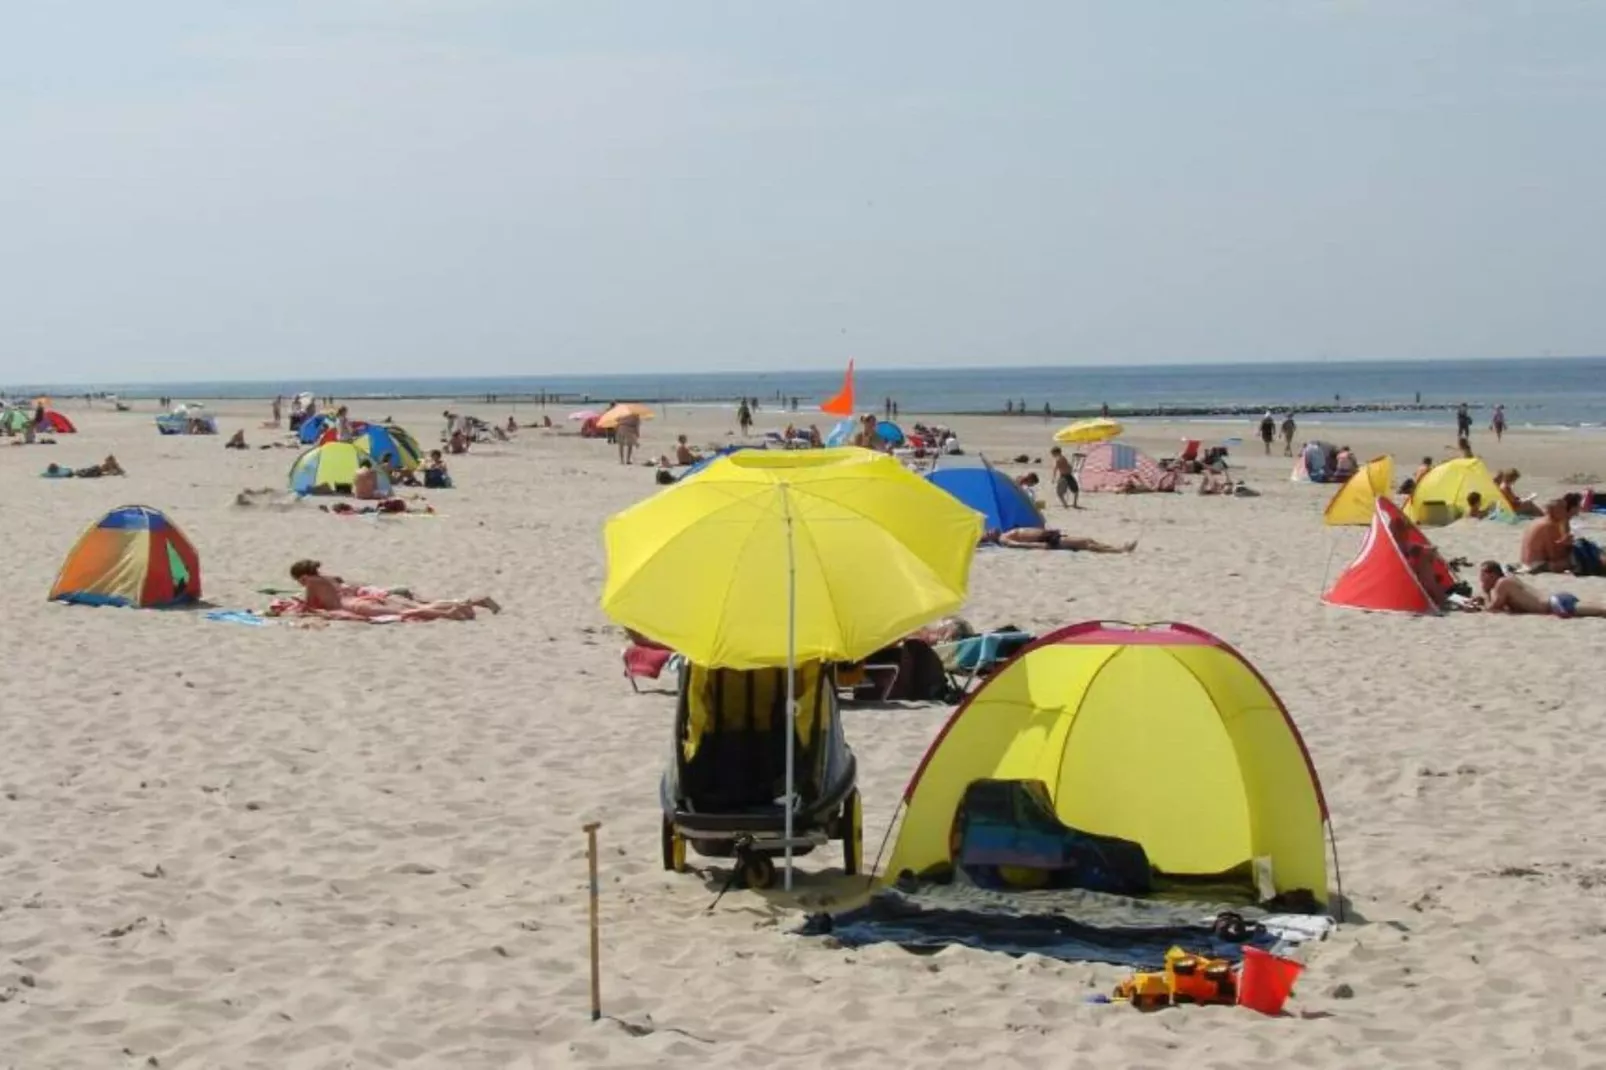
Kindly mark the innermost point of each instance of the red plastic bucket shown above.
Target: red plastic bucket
(1265, 981)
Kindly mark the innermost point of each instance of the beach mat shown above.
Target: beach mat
(1070, 926)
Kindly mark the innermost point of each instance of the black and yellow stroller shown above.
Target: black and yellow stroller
(724, 793)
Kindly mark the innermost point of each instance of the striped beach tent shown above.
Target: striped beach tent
(1115, 466)
(390, 445)
(132, 556)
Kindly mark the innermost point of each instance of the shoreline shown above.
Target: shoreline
(1382, 416)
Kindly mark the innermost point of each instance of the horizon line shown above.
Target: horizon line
(25, 387)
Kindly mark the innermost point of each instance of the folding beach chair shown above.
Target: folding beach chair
(968, 660)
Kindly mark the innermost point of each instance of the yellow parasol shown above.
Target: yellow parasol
(1083, 432)
(612, 417)
(769, 559)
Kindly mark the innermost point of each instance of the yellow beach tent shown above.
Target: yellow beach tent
(1356, 499)
(1441, 497)
(1161, 735)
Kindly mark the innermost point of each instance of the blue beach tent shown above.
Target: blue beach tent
(988, 491)
(311, 428)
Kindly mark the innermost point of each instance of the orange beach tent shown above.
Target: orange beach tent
(1386, 575)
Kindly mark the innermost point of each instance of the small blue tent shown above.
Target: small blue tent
(991, 493)
(890, 433)
(311, 428)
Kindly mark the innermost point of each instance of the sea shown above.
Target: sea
(1537, 392)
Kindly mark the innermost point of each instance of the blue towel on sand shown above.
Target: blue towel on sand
(237, 616)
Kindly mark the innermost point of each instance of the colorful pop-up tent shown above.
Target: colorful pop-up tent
(312, 428)
(55, 422)
(331, 469)
(1441, 496)
(1115, 466)
(1397, 570)
(1354, 502)
(1161, 735)
(988, 491)
(391, 446)
(132, 556)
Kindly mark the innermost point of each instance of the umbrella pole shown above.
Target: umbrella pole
(791, 680)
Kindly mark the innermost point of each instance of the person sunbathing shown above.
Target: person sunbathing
(108, 467)
(1546, 544)
(1051, 539)
(1216, 481)
(684, 455)
(365, 484)
(1506, 481)
(331, 594)
(1508, 594)
(236, 441)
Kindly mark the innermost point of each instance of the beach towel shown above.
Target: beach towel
(237, 616)
(1072, 926)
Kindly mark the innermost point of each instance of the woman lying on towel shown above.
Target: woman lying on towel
(1051, 539)
(329, 596)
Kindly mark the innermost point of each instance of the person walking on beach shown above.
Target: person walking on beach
(1497, 423)
(744, 417)
(1268, 431)
(1289, 427)
(1463, 422)
(886, 408)
(628, 433)
(278, 410)
(1065, 485)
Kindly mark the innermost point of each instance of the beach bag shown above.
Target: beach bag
(1586, 558)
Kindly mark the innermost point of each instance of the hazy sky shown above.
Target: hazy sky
(411, 187)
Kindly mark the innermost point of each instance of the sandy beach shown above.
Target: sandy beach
(280, 847)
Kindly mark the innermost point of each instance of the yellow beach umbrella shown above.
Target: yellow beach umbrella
(770, 559)
(1084, 432)
(612, 417)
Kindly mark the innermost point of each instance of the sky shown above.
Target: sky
(381, 188)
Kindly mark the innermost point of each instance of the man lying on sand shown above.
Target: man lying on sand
(1508, 594)
(329, 594)
(1051, 539)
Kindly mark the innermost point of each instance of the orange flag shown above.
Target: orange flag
(842, 404)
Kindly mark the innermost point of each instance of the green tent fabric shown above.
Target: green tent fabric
(15, 420)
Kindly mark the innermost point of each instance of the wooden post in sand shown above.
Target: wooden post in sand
(596, 971)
